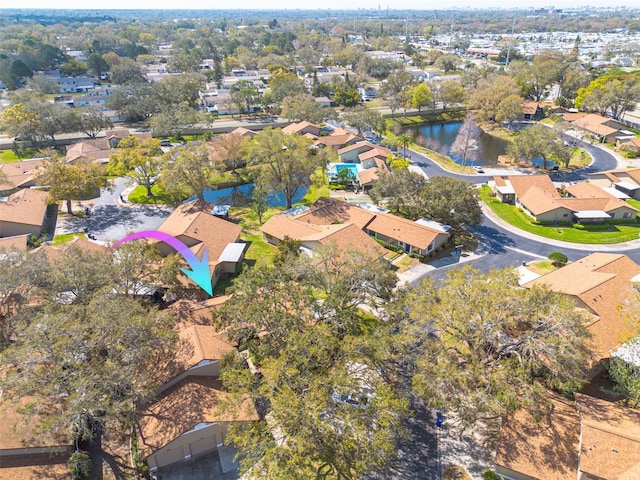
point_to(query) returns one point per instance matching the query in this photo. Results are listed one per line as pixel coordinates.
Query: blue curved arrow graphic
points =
(199, 272)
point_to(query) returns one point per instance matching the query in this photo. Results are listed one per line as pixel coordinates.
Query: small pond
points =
(442, 136)
(240, 196)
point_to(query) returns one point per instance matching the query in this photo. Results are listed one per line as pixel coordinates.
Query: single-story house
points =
(585, 203)
(532, 110)
(19, 175)
(603, 128)
(114, 136)
(301, 128)
(95, 149)
(23, 213)
(188, 419)
(327, 215)
(584, 439)
(548, 449)
(200, 230)
(365, 153)
(599, 283)
(626, 180)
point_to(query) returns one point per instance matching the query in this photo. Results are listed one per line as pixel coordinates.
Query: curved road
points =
(510, 247)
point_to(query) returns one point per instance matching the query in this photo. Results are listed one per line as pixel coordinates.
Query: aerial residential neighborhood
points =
(300, 244)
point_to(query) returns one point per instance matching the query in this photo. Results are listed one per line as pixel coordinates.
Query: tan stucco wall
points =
(189, 444)
(513, 474)
(10, 229)
(556, 215)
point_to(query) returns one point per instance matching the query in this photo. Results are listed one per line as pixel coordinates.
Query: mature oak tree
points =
(484, 346)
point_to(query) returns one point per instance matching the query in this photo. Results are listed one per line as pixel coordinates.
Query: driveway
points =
(111, 220)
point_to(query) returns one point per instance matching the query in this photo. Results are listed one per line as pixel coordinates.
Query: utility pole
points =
(513, 26)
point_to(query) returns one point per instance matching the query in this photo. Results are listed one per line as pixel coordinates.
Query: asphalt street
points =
(507, 246)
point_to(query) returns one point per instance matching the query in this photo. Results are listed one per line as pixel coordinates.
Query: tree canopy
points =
(485, 346)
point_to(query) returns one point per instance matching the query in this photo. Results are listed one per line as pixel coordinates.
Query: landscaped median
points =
(607, 233)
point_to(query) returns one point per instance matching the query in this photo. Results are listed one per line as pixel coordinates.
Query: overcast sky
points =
(324, 4)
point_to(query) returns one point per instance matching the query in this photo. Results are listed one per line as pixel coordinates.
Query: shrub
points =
(80, 465)
(558, 259)
(490, 475)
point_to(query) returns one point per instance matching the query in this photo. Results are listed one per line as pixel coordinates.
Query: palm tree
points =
(404, 139)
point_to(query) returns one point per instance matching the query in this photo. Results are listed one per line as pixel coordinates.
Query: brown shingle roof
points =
(18, 242)
(352, 236)
(18, 430)
(403, 230)
(544, 450)
(202, 228)
(610, 439)
(365, 177)
(19, 174)
(595, 123)
(298, 127)
(601, 282)
(329, 210)
(283, 225)
(522, 183)
(194, 400)
(538, 201)
(26, 207)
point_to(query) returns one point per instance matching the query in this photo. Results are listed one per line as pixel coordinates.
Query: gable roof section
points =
(543, 450)
(602, 282)
(595, 123)
(19, 174)
(299, 127)
(283, 225)
(193, 401)
(350, 235)
(522, 183)
(404, 230)
(26, 207)
(329, 210)
(610, 446)
(538, 201)
(360, 147)
(207, 230)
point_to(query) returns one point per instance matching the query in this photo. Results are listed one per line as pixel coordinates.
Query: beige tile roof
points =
(206, 230)
(94, 149)
(602, 283)
(197, 312)
(335, 140)
(320, 221)
(610, 439)
(19, 174)
(572, 117)
(364, 146)
(545, 450)
(192, 401)
(26, 207)
(529, 107)
(351, 236)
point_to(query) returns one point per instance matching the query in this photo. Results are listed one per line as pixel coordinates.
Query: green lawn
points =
(66, 237)
(9, 156)
(443, 160)
(634, 203)
(596, 234)
(139, 195)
